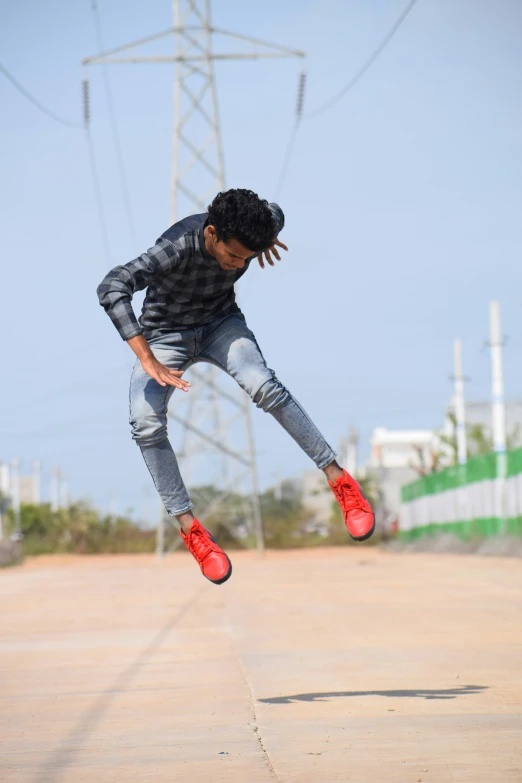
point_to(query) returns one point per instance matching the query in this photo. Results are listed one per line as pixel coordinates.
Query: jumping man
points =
(190, 315)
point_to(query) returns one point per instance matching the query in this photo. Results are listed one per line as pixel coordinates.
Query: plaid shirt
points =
(185, 285)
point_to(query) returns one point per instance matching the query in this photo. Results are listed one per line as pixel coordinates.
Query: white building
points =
(400, 456)
(402, 448)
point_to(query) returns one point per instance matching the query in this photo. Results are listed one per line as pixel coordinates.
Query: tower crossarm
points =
(217, 445)
(272, 50)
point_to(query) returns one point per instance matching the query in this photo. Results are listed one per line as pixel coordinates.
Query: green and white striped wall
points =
(481, 498)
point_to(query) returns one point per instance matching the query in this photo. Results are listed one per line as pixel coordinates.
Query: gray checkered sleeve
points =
(118, 286)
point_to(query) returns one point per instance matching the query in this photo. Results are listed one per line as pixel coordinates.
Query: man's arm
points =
(115, 294)
(163, 375)
(116, 290)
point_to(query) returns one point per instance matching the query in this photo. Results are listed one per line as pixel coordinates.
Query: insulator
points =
(86, 104)
(300, 94)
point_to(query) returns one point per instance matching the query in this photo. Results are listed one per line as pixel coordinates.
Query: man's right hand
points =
(163, 375)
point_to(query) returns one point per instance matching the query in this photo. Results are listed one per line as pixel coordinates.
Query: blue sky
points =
(402, 204)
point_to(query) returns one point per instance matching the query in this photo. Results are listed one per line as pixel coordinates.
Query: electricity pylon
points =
(211, 416)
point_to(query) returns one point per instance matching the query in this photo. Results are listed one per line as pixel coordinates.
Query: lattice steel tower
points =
(216, 427)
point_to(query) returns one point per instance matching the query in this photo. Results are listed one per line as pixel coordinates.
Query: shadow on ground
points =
(417, 693)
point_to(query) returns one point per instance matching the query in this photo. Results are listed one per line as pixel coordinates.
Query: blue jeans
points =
(228, 344)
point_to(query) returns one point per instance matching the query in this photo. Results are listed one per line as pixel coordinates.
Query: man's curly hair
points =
(240, 214)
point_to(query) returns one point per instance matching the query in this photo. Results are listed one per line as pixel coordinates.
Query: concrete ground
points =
(306, 667)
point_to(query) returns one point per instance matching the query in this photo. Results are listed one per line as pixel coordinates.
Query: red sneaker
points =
(358, 514)
(213, 562)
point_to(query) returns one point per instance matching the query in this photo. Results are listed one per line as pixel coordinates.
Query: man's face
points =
(230, 255)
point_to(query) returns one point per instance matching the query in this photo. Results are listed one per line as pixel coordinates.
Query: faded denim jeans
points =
(228, 344)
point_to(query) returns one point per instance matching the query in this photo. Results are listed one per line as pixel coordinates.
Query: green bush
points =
(78, 529)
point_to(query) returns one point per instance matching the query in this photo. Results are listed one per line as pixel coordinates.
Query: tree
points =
(478, 441)
(435, 460)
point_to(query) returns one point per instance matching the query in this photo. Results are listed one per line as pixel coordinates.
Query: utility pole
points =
(213, 419)
(460, 415)
(497, 381)
(463, 499)
(160, 531)
(498, 414)
(36, 481)
(15, 493)
(146, 508)
(351, 451)
(348, 451)
(55, 492)
(4, 494)
(63, 492)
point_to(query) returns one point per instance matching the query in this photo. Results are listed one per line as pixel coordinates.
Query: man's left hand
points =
(268, 253)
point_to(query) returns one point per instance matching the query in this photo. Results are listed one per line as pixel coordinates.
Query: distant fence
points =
(481, 498)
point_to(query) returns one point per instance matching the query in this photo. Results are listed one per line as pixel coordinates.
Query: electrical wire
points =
(36, 102)
(114, 125)
(94, 172)
(286, 160)
(293, 135)
(98, 197)
(366, 66)
(332, 101)
(92, 158)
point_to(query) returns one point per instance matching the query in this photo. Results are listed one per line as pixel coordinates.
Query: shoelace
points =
(199, 544)
(348, 492)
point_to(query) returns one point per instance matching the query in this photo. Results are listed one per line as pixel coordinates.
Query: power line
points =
(94, 172)
(114, 126)
(293, 135)
(369, 62)
(98, 196)
(36, 102)
(92, 158)
(332, 101)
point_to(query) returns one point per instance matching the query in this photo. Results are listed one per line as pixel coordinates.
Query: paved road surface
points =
(307, 667)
